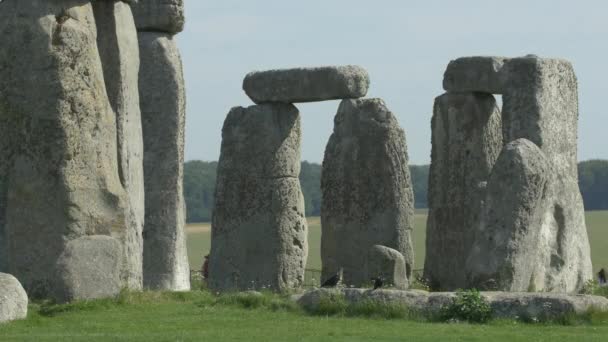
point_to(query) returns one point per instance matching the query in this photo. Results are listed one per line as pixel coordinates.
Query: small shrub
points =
(468, 306)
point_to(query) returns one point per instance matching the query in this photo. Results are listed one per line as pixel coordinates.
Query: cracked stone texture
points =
(165, 16)
(13, 299)
(389, 265)
(466, 140)
(505, 251)
(541, 105)
(259, 230)
(118, 47)
(367, 191)
(163, 112)
(307, 84)
(59, 139)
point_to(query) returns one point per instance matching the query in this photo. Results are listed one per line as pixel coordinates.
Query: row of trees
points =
(199, 186)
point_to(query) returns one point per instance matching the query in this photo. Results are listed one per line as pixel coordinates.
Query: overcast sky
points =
(405, 45)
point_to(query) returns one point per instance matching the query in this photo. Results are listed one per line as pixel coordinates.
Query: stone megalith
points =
(259, 230)
(13, 299)
(505, 251)
(159, 15)
(61, 173)
(307, 84)
(389, 265)
(540, 104)
(367, 191)
(466, 140)
(119, 51)
(162, 101)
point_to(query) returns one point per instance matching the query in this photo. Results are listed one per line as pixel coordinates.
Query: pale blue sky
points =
(405, 46)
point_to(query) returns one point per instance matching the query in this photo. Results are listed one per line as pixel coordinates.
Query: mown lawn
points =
(195, 317)
(597, 226)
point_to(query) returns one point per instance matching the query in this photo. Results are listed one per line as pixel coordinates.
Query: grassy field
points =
(199, 237)
(199, 316)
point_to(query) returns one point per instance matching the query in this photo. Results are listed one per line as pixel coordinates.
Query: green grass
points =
(597, 226)
(200, 316)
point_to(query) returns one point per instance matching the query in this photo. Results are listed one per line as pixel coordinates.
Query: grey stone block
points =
(13, 299)
(389, 265)
(476, 74)
(367, 191)
(307, 84)
(162, 101)
(259, 231)
(165, 16)
(466, 140)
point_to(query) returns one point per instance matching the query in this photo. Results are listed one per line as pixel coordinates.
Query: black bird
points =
(601, 275)
(378, 282)
(333, 281)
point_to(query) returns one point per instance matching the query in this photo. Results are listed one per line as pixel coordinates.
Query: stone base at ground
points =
(506, 305)
(13, 299)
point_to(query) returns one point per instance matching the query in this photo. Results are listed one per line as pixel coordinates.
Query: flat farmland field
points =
(199, 240)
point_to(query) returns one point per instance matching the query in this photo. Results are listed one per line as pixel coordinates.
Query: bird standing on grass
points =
(378, 282)
(332, 281)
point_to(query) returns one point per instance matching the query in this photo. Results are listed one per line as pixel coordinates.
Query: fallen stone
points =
(159, 16)
(466, 140)
(259, 231)
(13, 299)
(476, 74)
(119, 52)
(504, 255)
(162, 101)
(89, 268)
(367, 191)
(541, 105)
(389, 265)
(62, 181)
(307, 84)
(505, 305)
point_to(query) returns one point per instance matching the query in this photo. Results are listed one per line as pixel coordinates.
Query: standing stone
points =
(307, 84)
(466, 137)
(505, 252)
(541, 105)
(389, 265)
(367, 191)
(62, 182)
(259, 231)
(13, 299)
(162, 101)
(118, 47)
(159, 15)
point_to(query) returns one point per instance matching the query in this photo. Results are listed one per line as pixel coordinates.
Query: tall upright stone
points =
(541, 105)
(466, 139)
(61, 184)
(367, 191)
(505, 251)
(119, 51)
(162, 101)
(259, 230)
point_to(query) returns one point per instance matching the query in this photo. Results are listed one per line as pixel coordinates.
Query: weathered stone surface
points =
(62, 181)
(476, 74)
(466, 137)
(13, 299)
(505, 252)
(259, 231)
(159, 15)
(307, 84)
(506, 305)
(119, 51)
(367, 192)
(162, 101)
(89, 268)
(389, 265)
(541, 105)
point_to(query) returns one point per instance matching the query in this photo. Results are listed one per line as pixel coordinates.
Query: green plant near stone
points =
(469, 306)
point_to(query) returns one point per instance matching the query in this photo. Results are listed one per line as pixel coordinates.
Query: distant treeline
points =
(199, 186)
